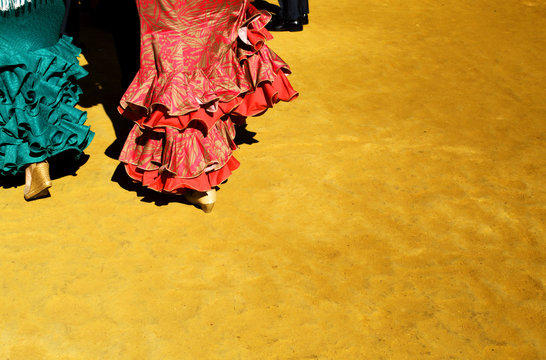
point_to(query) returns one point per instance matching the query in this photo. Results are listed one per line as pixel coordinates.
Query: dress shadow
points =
(109, 35)
(264, 5)
(64, 164)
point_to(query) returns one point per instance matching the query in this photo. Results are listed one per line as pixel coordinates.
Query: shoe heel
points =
(205, 200)
(207, 208)
(42, 194)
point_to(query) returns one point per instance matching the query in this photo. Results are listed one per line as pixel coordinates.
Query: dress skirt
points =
(204, 68)
(38, 91)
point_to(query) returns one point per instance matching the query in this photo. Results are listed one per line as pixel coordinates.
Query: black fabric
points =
(293, 9)
(71, 22)
(121, 16)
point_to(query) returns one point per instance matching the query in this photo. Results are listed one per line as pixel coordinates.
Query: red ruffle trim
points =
(256, 21)
(247, 104)
(166, 182)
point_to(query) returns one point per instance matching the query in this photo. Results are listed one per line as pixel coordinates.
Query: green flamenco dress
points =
(38, 92)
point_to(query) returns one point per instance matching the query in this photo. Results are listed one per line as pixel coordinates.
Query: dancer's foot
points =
(204, 199)
(37, 181)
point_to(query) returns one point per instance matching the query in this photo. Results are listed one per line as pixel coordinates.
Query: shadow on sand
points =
(61, 165)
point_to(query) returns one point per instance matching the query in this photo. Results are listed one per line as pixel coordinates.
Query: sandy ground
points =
(396, 210)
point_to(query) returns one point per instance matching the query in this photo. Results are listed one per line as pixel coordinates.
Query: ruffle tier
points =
(238, 109)
(37, 98)
(169, 160)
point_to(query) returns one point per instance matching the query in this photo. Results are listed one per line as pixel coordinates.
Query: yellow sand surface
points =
(396, 210)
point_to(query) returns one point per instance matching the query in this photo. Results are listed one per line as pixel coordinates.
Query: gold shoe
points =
(40, 181)
(204, 199)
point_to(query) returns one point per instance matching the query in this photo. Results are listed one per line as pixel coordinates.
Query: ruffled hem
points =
(163, 182)
(166, 159)
(253, 103)
(162, 85)
(37, 98)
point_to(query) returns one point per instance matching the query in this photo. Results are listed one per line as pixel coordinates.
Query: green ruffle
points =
(37, 98)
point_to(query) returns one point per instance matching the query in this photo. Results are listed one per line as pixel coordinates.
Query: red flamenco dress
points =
(204, 66)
